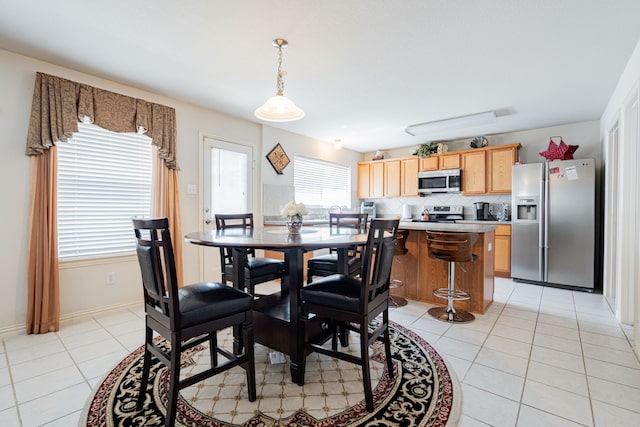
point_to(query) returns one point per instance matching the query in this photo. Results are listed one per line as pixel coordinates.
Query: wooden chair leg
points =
(213, 348)
(302, 348)
(146, 366)
(387, 344)
(174, 382)
(250, 364)
(364, 358)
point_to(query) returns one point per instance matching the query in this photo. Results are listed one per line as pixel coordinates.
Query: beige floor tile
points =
(557, 377)
(557, 343)
(509, 346)
(615, 394)
(558, 358)
(558, 402)
(488, 407)
(609, 415)
(502, 361)
(612, 372)
(54, 406)
(495, 381)
(532, 417)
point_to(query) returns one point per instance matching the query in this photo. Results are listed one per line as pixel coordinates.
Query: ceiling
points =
(362, 70)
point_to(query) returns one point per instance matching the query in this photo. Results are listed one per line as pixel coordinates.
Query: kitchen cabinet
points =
(449, 161)
(488, 170)
(473, 172)
(364, 180)
(502, 266)
(409, 177)
(376, 177)
(499, 163)
(430, 163)
(391, 180)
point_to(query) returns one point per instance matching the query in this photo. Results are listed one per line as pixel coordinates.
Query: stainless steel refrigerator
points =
(553, 223)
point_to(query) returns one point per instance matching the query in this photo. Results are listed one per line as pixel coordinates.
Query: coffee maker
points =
(481, 211)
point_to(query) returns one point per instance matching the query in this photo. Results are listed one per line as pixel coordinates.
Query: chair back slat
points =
(157, 266)
(224, 221)
(377, 259)
(451, 246)
(348, 220)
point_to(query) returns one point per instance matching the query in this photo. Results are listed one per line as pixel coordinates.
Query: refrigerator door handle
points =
(545, 223)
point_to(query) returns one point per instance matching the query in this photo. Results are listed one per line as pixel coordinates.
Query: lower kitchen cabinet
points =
(503, 251)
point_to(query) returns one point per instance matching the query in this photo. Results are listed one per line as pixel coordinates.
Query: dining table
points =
(276, 316)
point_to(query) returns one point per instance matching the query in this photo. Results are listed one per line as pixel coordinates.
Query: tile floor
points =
(539, 357)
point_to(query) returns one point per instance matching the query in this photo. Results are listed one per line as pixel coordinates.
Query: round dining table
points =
(276, 316)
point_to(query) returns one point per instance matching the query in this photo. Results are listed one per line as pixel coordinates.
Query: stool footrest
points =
(454, 294)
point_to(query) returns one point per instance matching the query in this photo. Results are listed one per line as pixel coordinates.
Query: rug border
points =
(452, 421)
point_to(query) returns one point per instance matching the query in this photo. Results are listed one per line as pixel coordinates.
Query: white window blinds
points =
(104, 179)
(319, 183)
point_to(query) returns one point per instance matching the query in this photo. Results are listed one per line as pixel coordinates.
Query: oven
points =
(440, 181)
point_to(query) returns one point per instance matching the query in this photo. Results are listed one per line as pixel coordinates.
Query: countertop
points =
(445, 226)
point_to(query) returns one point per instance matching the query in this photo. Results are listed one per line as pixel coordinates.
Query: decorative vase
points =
(294, 223)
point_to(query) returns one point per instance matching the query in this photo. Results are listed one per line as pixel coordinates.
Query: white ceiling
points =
(361, 69)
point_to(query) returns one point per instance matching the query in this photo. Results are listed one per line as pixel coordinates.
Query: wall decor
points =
(278, 158)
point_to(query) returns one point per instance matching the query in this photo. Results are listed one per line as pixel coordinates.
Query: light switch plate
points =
(192, 189)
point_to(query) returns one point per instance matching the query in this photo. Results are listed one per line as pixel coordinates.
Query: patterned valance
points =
(58, 105)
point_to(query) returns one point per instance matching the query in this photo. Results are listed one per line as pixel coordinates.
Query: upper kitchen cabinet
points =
(392, 178)
(499, 163)
(488, 170)
(409, 177)
(429, 163)
(364, 180)
(449, 161)
(440, 161)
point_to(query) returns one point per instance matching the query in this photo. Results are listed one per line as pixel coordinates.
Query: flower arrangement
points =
(293, 212)
(293, 209)
(424, 150)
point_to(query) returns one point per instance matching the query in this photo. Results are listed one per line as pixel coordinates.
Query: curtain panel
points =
(58, 105)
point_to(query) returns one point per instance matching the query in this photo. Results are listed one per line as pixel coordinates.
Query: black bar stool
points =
(399, 250)
(452, 247)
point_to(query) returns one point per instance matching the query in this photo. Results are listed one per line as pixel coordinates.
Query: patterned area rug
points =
(424, 392)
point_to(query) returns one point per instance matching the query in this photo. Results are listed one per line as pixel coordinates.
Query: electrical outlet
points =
(111, 278)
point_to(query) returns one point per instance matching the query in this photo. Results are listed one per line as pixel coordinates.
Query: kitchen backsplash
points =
(393, 206)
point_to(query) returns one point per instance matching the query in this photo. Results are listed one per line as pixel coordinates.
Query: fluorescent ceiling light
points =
(462, 122)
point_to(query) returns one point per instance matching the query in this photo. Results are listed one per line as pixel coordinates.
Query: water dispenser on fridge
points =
(526, 209)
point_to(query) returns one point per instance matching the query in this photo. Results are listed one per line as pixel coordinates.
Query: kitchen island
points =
(421, 275)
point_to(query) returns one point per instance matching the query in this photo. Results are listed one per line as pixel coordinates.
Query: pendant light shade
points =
(279, 108)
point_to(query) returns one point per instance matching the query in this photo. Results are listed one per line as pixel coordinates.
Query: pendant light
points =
(279, 108)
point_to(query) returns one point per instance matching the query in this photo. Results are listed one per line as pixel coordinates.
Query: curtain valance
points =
(58, 105)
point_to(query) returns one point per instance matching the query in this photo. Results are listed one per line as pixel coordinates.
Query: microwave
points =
(440, 181)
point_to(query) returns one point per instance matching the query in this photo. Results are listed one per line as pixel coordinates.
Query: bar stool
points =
(452, 247)
(399, 250)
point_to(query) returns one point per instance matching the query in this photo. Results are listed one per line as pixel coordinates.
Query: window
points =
(104, 179)
(321, 184)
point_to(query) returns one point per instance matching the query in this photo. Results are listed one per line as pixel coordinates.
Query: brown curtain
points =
(58, 105)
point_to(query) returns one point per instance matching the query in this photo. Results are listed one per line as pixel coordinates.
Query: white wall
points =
(624, 239)
(82, 288)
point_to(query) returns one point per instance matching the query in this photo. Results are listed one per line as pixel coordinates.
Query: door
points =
(526, 229)
(570, 225)
(227, 188)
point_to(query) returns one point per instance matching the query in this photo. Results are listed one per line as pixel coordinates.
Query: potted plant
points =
(424, 150)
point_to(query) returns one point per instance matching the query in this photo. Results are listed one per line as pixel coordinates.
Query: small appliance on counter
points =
(481, 211)
(406, 212)
(368, 208)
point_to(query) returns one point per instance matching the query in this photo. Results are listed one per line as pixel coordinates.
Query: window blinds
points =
(319, 183)
(104, 179)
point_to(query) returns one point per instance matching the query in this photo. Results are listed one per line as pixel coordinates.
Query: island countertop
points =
(447, 226)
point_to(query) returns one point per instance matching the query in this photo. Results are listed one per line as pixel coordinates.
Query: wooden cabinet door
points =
(376, 188)
(364, 180)
(499, 163)
(473, 172)
(409, 177)
(502, 263)
(449, 161)
(392, 178)
(428, 163)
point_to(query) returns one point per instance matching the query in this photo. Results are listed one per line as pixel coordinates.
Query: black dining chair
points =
(258, 269)
(354, 303)
(186, 316)
(326, 265)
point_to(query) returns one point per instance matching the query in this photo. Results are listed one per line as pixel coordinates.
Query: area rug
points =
(423, 392)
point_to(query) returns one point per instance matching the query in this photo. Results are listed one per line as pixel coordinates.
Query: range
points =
(442, 213)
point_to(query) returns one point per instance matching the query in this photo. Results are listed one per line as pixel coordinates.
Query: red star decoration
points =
(559, 152)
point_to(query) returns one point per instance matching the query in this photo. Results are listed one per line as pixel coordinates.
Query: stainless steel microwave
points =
(440, 181)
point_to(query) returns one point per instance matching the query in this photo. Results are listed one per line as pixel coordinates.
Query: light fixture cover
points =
(462, 122)
(279, 108)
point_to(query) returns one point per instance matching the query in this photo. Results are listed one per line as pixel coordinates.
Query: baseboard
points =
(20, 328)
